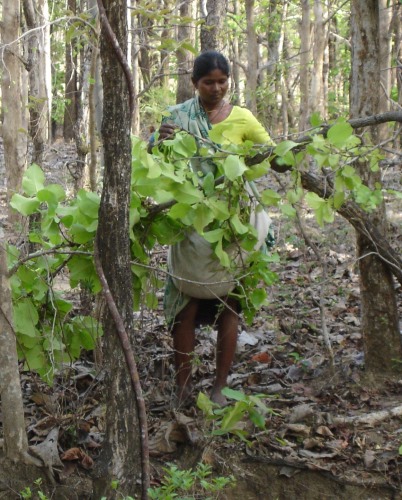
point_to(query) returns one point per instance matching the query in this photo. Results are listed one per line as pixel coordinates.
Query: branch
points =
(360, 221)
(132, 368)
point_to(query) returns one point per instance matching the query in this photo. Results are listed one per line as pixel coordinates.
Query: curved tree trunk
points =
(121, 457)
(382, 340)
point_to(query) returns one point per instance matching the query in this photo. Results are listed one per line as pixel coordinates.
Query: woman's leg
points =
(184, 343)
(228, 323)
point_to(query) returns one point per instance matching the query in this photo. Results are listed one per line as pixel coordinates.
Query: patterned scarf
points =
(191, 116)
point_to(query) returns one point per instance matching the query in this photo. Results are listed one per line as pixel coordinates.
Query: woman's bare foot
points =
(217, 396)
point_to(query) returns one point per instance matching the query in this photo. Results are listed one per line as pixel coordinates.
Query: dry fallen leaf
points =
(77, 454)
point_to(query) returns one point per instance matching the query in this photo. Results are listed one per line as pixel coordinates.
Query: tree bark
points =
(317, 97)
(304, 31)
(252, 58)
(15, 123)
(120, 458)
(382, 340)
(15, 438)
(70, 84)
(39, 91)
(185, 32)
(211, 31)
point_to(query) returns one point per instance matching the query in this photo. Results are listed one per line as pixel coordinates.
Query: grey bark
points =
(12, 409)
(37, 65)
(211, 30)
(15, 122)
(382, 340)
(120, 458)
(185, 33)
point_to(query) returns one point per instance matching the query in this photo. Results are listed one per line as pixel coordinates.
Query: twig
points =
(133, 371)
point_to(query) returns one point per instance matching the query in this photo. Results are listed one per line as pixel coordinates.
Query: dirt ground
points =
(331, 432)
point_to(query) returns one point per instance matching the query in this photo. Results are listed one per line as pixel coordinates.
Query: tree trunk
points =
(185, 32)
(120, 458)
(15, 119)
(317, 98)
(211, 31)
(382, 340)
(15, 438)
(304, 65)
(38, 68)
(252, 58)
(71, 85)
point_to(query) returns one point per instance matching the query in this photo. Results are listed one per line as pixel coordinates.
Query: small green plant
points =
(230, 419)
(189, 484)
(35, 493)
(400, 450)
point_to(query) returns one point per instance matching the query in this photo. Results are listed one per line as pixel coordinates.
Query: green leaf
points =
(205, 404)
(33, 180)
(219, 209)
(208, 184)
(202, 217)
(222, 255)
(284, 147)
(258, 297)
(25, 317)
(315, 120)
(287, 210)
(214, 236)
(314, 201)
(25, 206)
(339, 133)
(186, 193)
(257, 418)
(233, 416)
(233, 167)
(52, 194)
(269, 197)
(237, 225)
(88, 203)
(233, 394)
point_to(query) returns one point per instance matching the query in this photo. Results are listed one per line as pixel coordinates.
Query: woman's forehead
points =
(215, 74)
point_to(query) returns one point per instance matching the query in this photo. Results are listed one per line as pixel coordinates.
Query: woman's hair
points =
(207, 62)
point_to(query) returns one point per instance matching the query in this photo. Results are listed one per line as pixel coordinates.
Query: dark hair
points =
(207, 62)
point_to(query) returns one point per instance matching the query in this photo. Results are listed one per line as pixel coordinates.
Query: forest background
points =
(313, 72)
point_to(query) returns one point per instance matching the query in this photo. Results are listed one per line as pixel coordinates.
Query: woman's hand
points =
(167, 130)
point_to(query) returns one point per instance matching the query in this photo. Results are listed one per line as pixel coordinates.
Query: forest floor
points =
(331, 431)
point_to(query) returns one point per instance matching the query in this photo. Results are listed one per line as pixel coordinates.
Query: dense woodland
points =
(94, 78)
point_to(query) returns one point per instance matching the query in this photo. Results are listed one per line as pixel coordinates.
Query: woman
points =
(208, 110)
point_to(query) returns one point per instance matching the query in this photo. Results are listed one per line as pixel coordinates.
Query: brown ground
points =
(307, 451)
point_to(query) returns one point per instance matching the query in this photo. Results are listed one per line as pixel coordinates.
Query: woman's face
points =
(212, 87)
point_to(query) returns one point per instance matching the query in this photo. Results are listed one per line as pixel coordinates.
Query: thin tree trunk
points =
(36, 16)
(120, 458)
(185, 33)
(71, 85)
(317, 103)
(15, 119)
(304, 65)
(252, 58)
(382, 340)
(15, 438)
